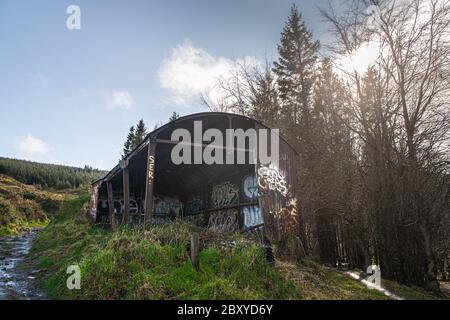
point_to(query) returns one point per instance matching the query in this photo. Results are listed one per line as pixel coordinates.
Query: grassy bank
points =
(133, 264)
(23, 207)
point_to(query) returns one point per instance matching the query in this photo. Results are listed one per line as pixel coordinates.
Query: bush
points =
(7, 212)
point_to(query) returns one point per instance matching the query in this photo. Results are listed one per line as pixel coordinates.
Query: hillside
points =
(48, 175)
(23, 207)
(133, 264)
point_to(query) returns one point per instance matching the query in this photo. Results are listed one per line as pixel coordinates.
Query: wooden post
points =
(126, 195)
(195, 251)
(148, 209)
(112, 216)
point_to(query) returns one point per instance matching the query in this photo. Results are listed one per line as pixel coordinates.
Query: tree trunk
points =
(431, 274)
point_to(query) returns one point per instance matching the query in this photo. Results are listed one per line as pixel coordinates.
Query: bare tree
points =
(250, 90)
(407, 126)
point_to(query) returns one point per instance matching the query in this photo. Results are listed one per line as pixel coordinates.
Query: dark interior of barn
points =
(185, 190)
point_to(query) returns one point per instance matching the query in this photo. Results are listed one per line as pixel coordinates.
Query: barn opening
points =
(147, 188)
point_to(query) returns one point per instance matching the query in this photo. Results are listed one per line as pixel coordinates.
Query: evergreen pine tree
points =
(128, 145)
(295, 70)
(295, 74)
(174, 116)
(140, 133)
(265, 105)
(329, 100)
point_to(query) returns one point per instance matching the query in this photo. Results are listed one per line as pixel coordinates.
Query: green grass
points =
(154, 264)
(317, 282)
(411, 293)
(19, 226)
(24, 207)
(133, 264)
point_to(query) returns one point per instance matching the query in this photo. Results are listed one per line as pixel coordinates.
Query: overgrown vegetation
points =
(154, 264)
(48, 175)
(23, 207)
(411, 293)
(373, 174)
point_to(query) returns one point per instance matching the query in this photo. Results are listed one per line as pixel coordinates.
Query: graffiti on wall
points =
(224, 221)
(119, 205)
(270, 178)
(167, 205)
(159, 206)
(224, 194)
(133, 207)
(252, 216)
(193, 206)
(250, 187)
(94, 200)
(176, 207)
(283, 221)
(151, 169)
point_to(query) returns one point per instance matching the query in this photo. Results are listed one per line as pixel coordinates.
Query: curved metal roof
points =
(167, 126)
(204, 114)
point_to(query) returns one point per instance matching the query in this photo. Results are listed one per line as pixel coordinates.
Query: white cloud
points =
(33, 148)
(120, 100)
(190, 71)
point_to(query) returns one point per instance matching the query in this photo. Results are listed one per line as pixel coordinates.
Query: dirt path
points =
(17, 281)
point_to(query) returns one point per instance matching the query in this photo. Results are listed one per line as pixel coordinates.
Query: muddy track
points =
(17, 277)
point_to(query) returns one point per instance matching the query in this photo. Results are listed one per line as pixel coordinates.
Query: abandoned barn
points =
(147, 187)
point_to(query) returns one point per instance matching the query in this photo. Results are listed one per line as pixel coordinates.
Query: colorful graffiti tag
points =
(167, 205)
(194, 206)
(159, 206)
(175, 206)
(250, 187)
(224, 221)
(270, 178)
(224, 195)
(252, 216)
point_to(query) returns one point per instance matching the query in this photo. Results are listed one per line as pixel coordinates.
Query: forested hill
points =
(48, 175)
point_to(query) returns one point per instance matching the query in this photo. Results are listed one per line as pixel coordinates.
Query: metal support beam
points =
(148, 209)
(112, 216)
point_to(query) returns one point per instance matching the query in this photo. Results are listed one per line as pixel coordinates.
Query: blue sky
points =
(70, 96)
